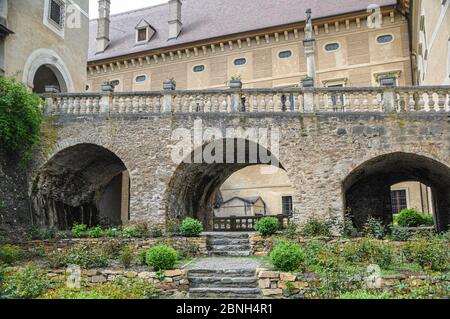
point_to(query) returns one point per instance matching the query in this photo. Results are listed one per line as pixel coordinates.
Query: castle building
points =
(44, 43)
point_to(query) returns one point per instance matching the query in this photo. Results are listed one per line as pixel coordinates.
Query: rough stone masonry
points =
(337, 163)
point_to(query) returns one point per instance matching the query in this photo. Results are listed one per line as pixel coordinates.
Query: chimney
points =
(3, 12)
(104, 8)
(174, 19)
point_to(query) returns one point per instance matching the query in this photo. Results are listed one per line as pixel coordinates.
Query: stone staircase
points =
(223, 284)
(229, 245)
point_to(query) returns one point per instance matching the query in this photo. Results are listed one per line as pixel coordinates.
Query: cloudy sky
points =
(118, 6)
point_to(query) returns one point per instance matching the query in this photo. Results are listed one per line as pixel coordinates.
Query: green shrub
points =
(316, 228)
(113, 248)
(413, 218)
(20, 117)
(156, 232)
(291, 230)
(86, 257)
(126, 257)
(362, 294)
(28, 283)
(267, 226)
(10, 254)
(428, 253)
(138, 231)
(56, 259)
(369, 252)
(113, 233)
(374, 228)
(79, 230)
(350, 230)
(95, 232)
(287, 256)
(188, 250)
(401, 234)
(41, 234)
(161, 257)
(191, 227)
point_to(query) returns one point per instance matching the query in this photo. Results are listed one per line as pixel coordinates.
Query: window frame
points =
(138, 33)
(291, 204)
(199, 65)
(406, 190)
(330, 43)
(286, 58)
(385, 35)
(239, 65)
(138, 76)
(59, 29)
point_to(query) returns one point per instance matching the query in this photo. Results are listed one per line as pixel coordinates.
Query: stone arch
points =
(194, 185)
(82, 183)
(50, 60)
(367, 188)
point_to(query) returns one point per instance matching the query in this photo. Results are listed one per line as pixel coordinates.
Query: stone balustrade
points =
(301, 100)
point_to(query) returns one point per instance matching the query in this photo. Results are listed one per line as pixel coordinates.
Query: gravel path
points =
(221, 263)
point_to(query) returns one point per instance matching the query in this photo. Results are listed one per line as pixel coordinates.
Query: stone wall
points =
(174, 283)
(318, 151)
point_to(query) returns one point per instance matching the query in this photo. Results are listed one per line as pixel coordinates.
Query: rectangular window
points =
(287, 205)
(142, 35)
(56, 12)
(399, 201)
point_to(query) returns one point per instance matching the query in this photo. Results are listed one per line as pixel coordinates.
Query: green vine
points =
(49, 136)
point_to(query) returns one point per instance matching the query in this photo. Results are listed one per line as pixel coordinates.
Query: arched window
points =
(331, 47)
(199, 68)
(240, 61)
(141, 78)
(386, 38)
(285, 54)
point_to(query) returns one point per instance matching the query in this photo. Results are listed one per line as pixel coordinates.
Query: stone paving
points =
(222, 263)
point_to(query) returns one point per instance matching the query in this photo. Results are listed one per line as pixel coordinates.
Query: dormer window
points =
(144, 32)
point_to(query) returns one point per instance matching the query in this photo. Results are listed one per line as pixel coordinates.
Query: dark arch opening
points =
(195, 186)
(85, 184)
(48, 76)
(368, 188)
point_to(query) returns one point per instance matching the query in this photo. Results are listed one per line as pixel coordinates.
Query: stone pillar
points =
(103, 22)
(236, 102)
(49, 90)
(388, 94)
(168, 87)
(106, 101)
(175, 24)
(125, 210)
(309, 82)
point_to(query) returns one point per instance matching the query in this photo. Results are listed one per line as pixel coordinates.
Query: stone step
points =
(224, 273)
(230, 253)
(229, 247)
(223, 282)
(228, 235)
(228, 241)
(225, 293)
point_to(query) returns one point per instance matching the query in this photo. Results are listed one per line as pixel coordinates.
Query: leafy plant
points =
(374, 228)
(173, 227)
(126, 257)
(79, 230)
(138, 231)
(369, 251)
(113, 248)
(188, 250)
(86, 257)
(350, 230)
(42, 234)
(10, 254)
(362, 294)
(191, 227)
(20, 117)
(401, 234)
(56, 259)
(291, 230)
(287, 256)
(413, 218)
(156, 232)
(428, 253)
(316, 228)
(267, 226)
(161, 257)
(28, 283)
(95, 232)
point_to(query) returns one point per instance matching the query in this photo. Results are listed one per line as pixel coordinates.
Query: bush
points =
(56, 259)
(138, 231)
(126, 257)
(374, 228)
(401, 234)
(362, 294)
(291, 230)
(369, 252)
(316, 228)
(113, 233)
(41, 234)
(28, 283)
(156, 232)
(173, 227)
(95, 232)
(428, 253)
(161, 257)
(20, 117)
(267, 226)
(287, 256)
(191, 227)
(413, 218)
(9, 254)
(79, 230)
(86, 257)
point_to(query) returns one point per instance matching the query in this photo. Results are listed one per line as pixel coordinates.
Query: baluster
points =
(215, 104)
(412, 102)
(321, 101)
(339, 102)
(271, 102)
(87, 102)
(115, 104)
(375, 102)
(224, 107)
(247, 103)
(288, 103)
(157, 104)
(296, 102)
(357, 102)
(441, 101)
(192, 105)
(61, 107)
(402, 102)
(431, 103)
(76, 105)
(68, 105)
(422, 102)
(178, 107)
(83, 106)
(185, 104)
(127, 104)
(448, 102)
(209, 103)
(330, 107)
(365, 102)
(255, 102)
(263, 103)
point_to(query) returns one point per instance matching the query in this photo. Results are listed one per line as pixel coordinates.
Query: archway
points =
(86, 184)
(47, 64)
(45, 76)
(368, 189)
(194, 187)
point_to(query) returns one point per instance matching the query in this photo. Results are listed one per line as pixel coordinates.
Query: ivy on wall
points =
(20, 117)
